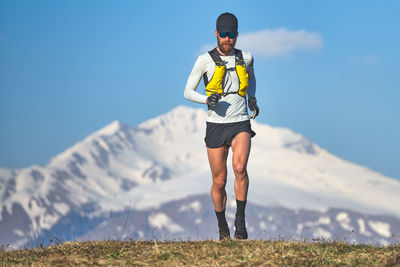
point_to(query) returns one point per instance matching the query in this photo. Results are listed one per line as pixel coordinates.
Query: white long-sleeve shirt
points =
(231, 107)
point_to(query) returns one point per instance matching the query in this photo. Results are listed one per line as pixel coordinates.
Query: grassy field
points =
(204, 253)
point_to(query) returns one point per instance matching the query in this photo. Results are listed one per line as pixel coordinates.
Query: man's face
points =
(226, 44)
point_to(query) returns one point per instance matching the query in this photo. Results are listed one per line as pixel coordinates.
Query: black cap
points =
(227, 22)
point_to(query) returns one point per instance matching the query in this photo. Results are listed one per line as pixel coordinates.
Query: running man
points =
(229, 78)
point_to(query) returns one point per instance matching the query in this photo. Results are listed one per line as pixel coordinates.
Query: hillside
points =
(205, 253)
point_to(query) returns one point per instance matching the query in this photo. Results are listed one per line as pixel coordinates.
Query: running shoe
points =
(224, 233)
(240, 228)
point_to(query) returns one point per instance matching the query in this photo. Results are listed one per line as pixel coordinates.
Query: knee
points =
(239, 169)
(219, 184)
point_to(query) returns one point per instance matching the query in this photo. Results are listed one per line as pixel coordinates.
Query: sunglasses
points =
(229, 34)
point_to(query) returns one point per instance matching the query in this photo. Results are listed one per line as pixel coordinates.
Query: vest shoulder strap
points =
(216, 57)
(239, 57)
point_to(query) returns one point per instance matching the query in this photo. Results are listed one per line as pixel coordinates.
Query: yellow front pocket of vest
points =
(215, 85)
(243, 79)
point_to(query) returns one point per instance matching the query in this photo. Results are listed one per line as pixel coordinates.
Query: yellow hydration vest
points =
(215, 85)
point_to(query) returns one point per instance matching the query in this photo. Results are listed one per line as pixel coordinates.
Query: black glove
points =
(212, 101)
(253, 107)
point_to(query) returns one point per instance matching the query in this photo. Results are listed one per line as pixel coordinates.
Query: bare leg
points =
(217, 159)
(241, 150)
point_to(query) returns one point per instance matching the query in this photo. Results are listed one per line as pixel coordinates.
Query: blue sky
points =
(326, 69)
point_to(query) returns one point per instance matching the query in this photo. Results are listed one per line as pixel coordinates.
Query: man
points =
(229, 77)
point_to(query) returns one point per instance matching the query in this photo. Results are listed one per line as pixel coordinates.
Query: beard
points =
(226, 47)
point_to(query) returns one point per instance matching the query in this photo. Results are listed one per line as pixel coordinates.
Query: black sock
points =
(221, 218)
(240, 205)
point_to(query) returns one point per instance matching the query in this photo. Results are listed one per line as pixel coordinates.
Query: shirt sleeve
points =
(251, 90)
(195, 76)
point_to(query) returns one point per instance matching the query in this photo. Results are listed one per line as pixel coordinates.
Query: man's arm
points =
(251, 90)
(193, 81)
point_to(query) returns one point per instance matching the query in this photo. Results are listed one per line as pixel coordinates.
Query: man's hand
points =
(253, 107)
(212, 101)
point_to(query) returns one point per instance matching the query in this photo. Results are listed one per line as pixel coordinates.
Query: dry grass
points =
(204, 253)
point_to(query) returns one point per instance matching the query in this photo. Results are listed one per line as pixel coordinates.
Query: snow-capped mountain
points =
(163, 161)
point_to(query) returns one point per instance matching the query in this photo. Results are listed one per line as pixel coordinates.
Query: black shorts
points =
(222, 134)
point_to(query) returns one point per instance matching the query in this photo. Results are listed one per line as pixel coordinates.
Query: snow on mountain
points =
(164, 159)
(298, 174)
(5, 176)
(4, 173)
